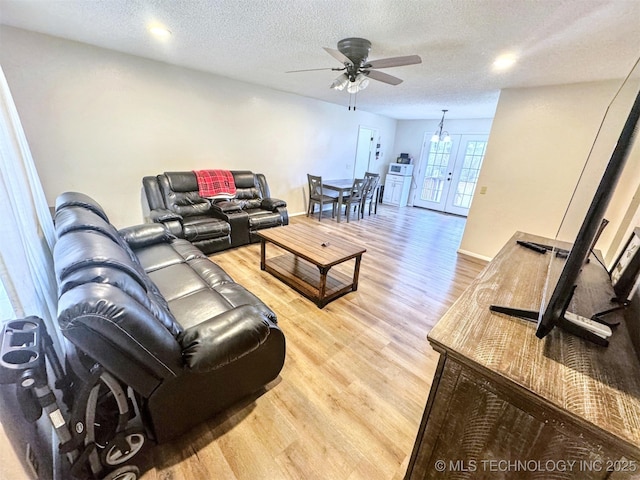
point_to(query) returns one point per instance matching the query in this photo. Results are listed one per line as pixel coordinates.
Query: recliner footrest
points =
(204, 230)
(264, 220)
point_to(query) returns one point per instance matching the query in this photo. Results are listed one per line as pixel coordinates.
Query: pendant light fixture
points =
(440, 135)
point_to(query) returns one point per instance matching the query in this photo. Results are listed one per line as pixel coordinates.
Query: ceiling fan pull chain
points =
(353, 96)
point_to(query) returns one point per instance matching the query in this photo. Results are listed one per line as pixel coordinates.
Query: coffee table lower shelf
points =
(306, 278)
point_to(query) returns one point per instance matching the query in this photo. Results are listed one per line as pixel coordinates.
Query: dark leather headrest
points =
(152, 192)
(75, 199)
(182, 181)
(88, 248)
(243, 178)
(72, 218)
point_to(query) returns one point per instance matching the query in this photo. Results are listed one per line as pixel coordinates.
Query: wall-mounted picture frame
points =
(625, 272)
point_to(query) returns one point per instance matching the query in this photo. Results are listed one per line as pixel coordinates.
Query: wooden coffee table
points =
(309, 253)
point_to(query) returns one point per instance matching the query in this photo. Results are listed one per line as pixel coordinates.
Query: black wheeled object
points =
(99, 431)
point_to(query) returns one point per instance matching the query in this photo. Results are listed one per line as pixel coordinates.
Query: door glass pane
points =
(436, 171)
(474, 153)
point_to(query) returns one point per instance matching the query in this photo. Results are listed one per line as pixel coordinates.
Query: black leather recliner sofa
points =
(213, 225)
(162, 318)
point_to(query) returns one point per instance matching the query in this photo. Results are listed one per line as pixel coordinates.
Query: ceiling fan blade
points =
(394, 62)
(383, 77)
(338, 55)
(314, 70)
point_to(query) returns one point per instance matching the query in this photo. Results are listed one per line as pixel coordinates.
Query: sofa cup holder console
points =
(21, 349)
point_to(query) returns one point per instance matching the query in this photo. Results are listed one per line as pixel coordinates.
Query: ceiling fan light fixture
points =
(360, 83)
(340, 82)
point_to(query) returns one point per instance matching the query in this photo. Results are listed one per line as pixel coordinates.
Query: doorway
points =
(364, 151)
(449, 173)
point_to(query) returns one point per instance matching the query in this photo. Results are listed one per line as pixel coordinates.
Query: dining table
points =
(342, 186)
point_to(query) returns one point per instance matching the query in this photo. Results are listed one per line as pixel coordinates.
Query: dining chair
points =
(370, 192)
(316, 196)
(354, 199)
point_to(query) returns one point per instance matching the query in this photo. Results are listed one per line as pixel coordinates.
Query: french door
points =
(449, 173)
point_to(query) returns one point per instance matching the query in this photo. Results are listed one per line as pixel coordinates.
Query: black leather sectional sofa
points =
(162, 318)
(213, 225)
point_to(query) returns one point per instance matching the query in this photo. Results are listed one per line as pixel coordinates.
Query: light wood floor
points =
(349, 400)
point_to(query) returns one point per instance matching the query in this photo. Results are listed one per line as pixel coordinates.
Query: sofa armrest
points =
(220, 340)
(272, 203)
(171, 220)
(227, 206)
(161, 215)
(146, 234)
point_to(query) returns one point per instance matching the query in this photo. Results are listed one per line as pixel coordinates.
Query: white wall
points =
(539, 142)
(97, 121)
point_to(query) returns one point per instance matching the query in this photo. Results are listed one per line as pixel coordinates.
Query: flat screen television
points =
(554, 312)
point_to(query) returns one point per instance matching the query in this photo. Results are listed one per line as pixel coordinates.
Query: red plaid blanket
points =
(215, 183)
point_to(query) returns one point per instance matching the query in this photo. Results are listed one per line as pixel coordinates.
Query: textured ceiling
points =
(257, 41)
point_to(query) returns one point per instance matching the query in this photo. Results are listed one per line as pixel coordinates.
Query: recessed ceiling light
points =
(505, 61)
(160, 31)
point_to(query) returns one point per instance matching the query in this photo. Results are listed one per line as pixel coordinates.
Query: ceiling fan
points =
(357, 70)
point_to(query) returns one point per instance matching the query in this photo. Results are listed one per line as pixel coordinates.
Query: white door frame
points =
(450, 177)
(364, 151)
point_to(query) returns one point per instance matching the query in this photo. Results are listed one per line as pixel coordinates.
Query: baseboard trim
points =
(474, 255)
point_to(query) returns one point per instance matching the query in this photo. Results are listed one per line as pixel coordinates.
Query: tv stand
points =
(502, 399)
(599, 317)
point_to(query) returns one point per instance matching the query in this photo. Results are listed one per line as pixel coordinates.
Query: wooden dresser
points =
(505, 404)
